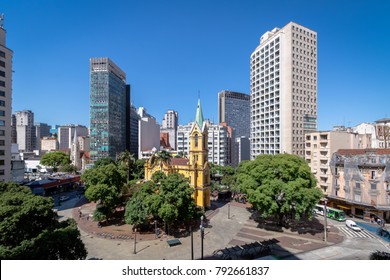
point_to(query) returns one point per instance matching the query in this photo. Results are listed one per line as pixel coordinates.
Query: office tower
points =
(283, 83)
(128, 119)
(66, 135)
(134, 119)
(234, 109)
(107, 109)
(25, 130)
(169, 125)
(41, 130)
(148, 133)
(5, 105)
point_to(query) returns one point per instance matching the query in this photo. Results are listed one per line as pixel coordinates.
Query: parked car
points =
(352, 225)
(64, 198)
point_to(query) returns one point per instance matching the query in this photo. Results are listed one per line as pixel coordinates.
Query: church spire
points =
(199, 115)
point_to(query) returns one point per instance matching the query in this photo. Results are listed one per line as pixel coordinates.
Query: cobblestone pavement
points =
(229, 225)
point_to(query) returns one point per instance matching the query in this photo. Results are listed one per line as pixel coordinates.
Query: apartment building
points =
(283, 90)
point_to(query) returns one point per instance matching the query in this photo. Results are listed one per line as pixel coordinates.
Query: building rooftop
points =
(354, 152)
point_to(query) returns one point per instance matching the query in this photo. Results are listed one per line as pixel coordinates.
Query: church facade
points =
(195, 167)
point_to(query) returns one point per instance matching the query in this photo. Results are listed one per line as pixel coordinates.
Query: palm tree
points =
(128, 160)
(164, 157)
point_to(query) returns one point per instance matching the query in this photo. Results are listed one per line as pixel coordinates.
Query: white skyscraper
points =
(169, 125)
(283, 84)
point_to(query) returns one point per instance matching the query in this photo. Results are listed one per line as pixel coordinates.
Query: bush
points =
(380, 255)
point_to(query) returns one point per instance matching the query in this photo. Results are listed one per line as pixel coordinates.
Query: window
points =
(2, 132)
(1, 161)
(2, 63)
(372, 174)
(373, 186)
(2, 93)
(2, 103)
(2, 113)
(2, 73)
(2, 142)
(2, 123)
(2, 83)
(2, 152)
(2, 54)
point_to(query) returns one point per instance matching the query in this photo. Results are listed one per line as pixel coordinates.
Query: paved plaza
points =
(228, 225)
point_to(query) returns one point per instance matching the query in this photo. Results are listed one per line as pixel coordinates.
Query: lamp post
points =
(135, 242)
(201, 237)
(155, 228)
(192, 243)
(325, 221)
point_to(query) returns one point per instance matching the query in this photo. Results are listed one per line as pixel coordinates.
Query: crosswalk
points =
(353, 234)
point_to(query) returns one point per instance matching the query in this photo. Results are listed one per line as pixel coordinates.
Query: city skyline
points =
(173, 51)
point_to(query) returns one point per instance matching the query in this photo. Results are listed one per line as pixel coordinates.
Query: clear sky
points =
(171, 50)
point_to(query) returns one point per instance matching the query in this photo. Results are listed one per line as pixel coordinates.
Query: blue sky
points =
(171, 50)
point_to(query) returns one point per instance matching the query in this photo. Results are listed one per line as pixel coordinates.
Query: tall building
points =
(41, 130)
(283, 90)
(66, 135)
(134, 119)
(148, 133)
(169, 125)
(234, 109)
(25, 130)
(107, 108)
(5, 105)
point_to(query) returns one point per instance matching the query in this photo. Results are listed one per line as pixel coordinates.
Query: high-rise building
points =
(134, 119)
(107, 109)
(169, 125)
(234, 109)
(283, 90)
(25, 130)
(41, 130)
(66, 135)
(148, 133)
(5, 105)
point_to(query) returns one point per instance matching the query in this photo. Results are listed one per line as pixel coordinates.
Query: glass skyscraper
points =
(107, 108)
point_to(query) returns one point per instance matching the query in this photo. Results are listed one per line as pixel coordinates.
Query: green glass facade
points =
(107, 109)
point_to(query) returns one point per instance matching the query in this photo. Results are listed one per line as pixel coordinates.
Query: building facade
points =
(169, 125)
(5, 105)
(107, 109)
(25, 130)
(49, 144)
(283, 90)
(234, 109)
(134, 123)
(148, 132)
(66, 134)
(360, 182)
(41, 130)
(319, 148)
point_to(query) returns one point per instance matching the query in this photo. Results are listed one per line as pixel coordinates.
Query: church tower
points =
(199, 166)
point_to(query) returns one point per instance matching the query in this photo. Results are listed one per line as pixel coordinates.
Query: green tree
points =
(163, 157)
(104, 184)
(280, 185)
(127, 160)
(55, 160)
(104, 161)
(68, 168)
(29, 228)
(139, 169)
(137, 211)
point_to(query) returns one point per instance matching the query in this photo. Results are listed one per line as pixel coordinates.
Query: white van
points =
(352, 225)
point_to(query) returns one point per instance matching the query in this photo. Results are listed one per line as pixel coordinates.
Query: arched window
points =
(196, 140)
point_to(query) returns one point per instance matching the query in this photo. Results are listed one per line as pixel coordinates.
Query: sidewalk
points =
(229, 225)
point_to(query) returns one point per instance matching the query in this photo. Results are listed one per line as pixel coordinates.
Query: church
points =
(195, 167)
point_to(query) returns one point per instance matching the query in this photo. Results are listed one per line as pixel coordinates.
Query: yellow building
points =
(196, 168)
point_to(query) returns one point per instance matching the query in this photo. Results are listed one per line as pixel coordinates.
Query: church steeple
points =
(199, 115)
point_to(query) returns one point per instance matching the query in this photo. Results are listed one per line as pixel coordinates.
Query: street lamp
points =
(155, 228)
(192, 243)
(135, 242)
(201, 236)
(325, 220)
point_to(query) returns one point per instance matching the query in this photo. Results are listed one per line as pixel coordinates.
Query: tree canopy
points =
(166, 198)
(280, 185)
(29, 228)
(55, 160)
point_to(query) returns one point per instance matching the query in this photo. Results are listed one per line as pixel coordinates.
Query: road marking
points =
(351, 233)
